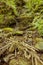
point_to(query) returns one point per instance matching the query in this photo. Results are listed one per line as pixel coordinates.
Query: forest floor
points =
(21, 32)
(19, 48)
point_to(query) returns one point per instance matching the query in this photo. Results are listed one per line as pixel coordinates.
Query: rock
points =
(39, 46)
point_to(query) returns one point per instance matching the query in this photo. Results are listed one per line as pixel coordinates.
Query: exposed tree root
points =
(29, 52)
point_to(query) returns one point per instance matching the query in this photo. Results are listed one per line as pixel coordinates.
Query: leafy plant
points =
(38, 24)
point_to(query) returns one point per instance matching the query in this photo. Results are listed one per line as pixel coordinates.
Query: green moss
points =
(28, 11)
(11, 3)
(8, 29)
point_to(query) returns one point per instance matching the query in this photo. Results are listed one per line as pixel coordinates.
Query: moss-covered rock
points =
(39, 44)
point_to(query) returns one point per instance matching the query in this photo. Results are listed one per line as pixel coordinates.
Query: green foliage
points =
(38, 24)
(6, 16)
(27, 10)
(33, 3)
(11, 3)
(17, 36)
